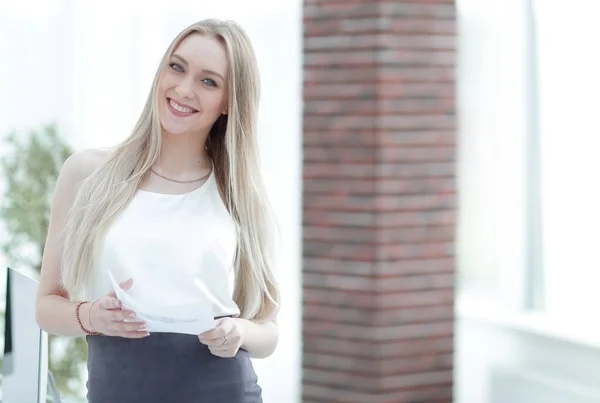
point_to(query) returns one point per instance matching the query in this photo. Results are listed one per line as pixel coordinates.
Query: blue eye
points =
(176, 67)
(210, 82)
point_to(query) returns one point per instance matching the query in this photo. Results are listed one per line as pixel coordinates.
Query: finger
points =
(222, 327)
(222, 348)
(233, 338)
(207, 342)
(212, 342)
(127, 284)
(219, 322)
(133, 334)
(212, 335)
(220, 342)
(123, 327)
(224, 353)
(110, 303)
(216, 333)
(220, 334)
(121, 315)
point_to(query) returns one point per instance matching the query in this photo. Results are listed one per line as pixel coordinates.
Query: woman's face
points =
(192, 91)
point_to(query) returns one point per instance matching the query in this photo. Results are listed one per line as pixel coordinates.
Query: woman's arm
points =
(231, 334)
(54, 312)
(259, 338)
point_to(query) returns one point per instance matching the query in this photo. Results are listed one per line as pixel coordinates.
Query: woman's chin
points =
(175, 130)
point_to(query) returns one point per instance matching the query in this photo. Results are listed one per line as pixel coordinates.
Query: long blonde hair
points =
(232, 146)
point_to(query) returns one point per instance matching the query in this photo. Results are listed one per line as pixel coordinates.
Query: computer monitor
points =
(25, 369)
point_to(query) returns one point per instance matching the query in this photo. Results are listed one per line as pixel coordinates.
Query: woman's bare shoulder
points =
(82, 163)
(75, 169)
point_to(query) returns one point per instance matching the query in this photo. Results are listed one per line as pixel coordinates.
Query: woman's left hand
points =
(225, 339)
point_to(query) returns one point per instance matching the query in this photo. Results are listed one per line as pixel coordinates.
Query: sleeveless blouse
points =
(174, 247)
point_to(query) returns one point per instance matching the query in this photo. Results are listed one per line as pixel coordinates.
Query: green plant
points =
(30, 165)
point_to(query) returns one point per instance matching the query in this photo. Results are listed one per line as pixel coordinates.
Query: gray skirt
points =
(165, 368)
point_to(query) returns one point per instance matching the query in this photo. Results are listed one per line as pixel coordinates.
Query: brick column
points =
(379, 201)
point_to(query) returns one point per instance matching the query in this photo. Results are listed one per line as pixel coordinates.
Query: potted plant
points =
(29, 168)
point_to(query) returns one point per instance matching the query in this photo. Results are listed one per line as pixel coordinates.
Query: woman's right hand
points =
(107, 317)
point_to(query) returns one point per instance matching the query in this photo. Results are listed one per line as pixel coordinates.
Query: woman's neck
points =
(183, 157)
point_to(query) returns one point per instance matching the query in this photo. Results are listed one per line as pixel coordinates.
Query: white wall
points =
(89, 66)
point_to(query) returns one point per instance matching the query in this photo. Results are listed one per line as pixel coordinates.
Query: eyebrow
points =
(182, 60)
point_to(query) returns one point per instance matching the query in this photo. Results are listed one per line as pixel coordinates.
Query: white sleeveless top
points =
(175, 247)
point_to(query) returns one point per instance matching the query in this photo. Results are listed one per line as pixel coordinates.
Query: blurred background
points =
(431, 164)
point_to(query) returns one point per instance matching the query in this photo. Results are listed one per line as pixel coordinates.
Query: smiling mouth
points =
(180, 110)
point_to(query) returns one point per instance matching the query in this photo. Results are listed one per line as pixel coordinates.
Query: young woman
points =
(175, 212)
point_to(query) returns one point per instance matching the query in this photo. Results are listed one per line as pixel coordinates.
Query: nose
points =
(184, 89)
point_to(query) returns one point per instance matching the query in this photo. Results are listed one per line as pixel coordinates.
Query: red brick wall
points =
(379, 200)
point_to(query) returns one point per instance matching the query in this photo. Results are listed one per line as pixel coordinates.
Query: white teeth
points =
(180, 108)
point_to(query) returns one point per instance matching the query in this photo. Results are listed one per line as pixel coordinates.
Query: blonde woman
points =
(176, 211)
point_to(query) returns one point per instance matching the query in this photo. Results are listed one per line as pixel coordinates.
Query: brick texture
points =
(379, 201)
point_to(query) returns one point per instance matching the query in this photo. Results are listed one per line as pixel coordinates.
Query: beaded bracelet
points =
(79, 320)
